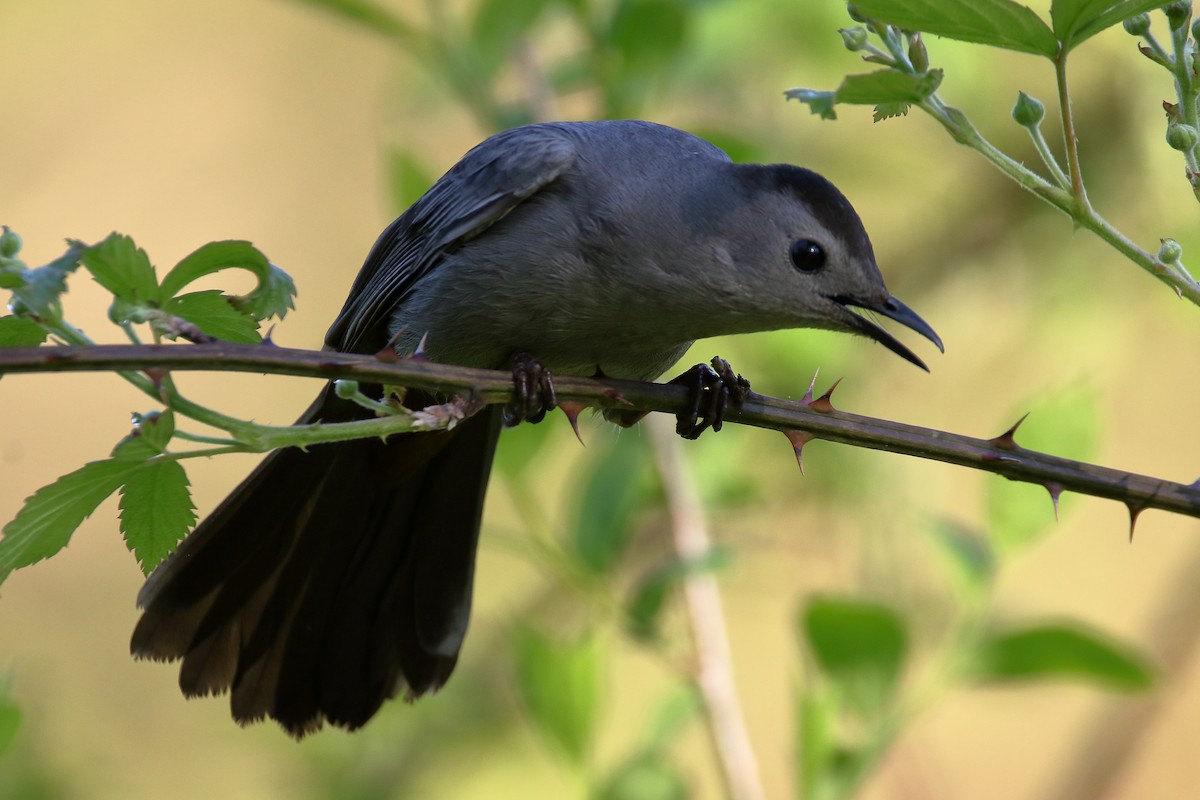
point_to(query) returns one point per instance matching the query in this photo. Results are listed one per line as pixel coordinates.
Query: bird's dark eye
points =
(807, 255)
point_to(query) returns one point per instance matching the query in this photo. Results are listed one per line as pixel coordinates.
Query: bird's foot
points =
(533, 389)
(712, 391)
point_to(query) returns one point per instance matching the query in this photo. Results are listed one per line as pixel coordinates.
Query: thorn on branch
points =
(1135, 511)
(824, 404)
(808, 393)
(1055, 489)
(798, 440)
(1006, 440)
(571, 410)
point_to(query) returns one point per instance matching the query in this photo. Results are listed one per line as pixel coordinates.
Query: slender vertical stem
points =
(1071, 140)
(714, 671)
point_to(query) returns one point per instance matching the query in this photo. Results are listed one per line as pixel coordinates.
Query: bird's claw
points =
(533, 389)
(712, 391)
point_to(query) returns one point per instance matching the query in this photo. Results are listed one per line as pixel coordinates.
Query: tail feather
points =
(329, 580)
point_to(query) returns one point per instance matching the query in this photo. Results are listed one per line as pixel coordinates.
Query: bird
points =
(335, 578)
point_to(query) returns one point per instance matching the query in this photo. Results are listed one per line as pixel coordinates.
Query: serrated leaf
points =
(498, 25)
(889, 110)
(212, 312)
(820, 103)
(1077, 20)
(859, 646)
(610, 497)
(559, 683)
(646, 776)
(272, 297)
(1000, 23)
(888, 86)
(45, 523)
(156, 428)
(41, 287)
(409, 180)
(156, 511)
(123, 268)
(1067, 651)
(20, 332)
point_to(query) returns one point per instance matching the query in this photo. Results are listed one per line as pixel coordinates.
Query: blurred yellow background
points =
(180, 123)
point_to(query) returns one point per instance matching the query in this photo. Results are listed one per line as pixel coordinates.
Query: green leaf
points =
(648, 33)
(45, 523)
(889, 90)
(646, 776)
(816, 718)
(611, 496)
(520, 446)
(860, 646)
(272, 297)
(650, 593)
(40, 288)
(156, 511)
(680, 707)
(372, 16)
(1000, 23)
(1068, 651)
(1077, 20)
(10, 715)
(1065, 423)
(888, 86)
(123, 268)
(820, 103)
(157, 428)
(409, 180)
(559, 683)
(20, 332)
(498, 25)
(968, 554)
(212, 312)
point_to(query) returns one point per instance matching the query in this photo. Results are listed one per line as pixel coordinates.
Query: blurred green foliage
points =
(864, 653)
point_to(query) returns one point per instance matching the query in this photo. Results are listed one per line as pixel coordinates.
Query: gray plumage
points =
(331, 580)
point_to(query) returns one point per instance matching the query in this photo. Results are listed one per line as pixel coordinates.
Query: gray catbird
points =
(330, 580)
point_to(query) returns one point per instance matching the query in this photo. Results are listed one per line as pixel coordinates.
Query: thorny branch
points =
(801, 420)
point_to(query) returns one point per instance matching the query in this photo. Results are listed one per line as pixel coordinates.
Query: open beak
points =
(892, 309)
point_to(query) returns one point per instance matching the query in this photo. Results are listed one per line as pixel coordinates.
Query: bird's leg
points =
(533, 387)
(712, 390)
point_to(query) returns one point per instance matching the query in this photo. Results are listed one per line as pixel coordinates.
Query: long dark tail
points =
(329, 580)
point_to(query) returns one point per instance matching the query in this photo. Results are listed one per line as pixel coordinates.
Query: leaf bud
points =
(345, 389)
(854, 38)
(1028, 111)
(854, 13)
(10, 243)
(1181, 137)
(1178, 14)
(1169, 251)
(917, 54)
(1137, 25)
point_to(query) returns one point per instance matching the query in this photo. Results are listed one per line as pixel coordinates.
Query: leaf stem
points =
(1070, 138)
